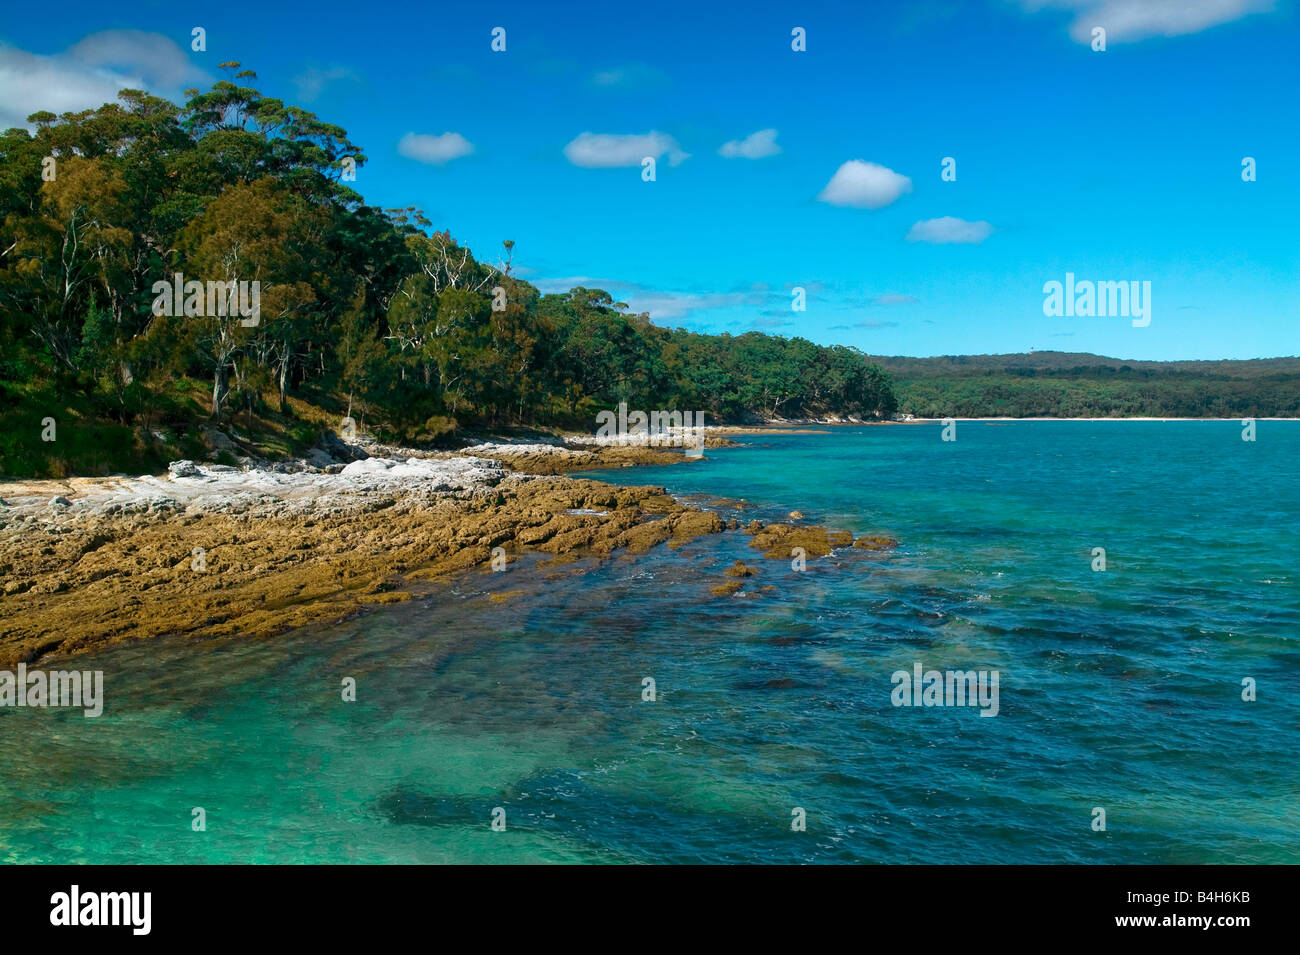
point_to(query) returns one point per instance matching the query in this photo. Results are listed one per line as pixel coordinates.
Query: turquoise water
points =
(1119, 689)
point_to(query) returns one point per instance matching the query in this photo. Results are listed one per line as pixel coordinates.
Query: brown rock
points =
(875, 543)
(778, 541)
(740, 569)
(127, 575)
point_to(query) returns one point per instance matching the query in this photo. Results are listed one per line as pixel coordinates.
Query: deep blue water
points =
(1119, 690)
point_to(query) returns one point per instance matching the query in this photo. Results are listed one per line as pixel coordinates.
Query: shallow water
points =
(1119, 689)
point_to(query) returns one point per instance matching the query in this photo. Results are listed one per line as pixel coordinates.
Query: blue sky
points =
(1122, 165)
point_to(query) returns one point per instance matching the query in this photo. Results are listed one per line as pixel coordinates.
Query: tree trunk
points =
(284, 384)
(218, 389)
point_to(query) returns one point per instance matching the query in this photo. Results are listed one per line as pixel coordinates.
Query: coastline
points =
(935, 420)
(218, 551)
(780, 425)
(254, 551)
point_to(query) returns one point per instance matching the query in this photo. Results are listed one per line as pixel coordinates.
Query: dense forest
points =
(1072, 385)
(361, 313)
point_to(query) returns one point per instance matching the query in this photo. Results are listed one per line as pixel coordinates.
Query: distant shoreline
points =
(792, 425)
(930, 420)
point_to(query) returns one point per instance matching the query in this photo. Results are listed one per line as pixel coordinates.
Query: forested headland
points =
(381, 317)
(1080, 385)
(364, 313)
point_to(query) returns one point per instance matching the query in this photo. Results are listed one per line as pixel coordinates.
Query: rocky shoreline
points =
(222, 551)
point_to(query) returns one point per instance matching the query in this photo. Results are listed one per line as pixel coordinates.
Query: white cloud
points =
(949, 229)
(567, 282)
(606, 151)
(630, 75)
(434, 150)
(152, 56)
(1130, 20)
(311, 81)
(754, 146)
(864, 185)
(890, 298)
(663, 305)
(91, 72)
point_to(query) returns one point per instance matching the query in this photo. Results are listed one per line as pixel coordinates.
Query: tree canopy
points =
(364, 312)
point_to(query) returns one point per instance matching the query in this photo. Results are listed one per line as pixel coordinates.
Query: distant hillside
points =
(1075, 384)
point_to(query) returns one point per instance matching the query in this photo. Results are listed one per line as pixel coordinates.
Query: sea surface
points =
(1120, 690)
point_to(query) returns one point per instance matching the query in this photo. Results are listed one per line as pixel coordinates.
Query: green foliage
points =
(369, 314)
(364, 313)
(1065, 385)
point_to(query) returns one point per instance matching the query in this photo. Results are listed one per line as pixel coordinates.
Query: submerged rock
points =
(778, 541)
